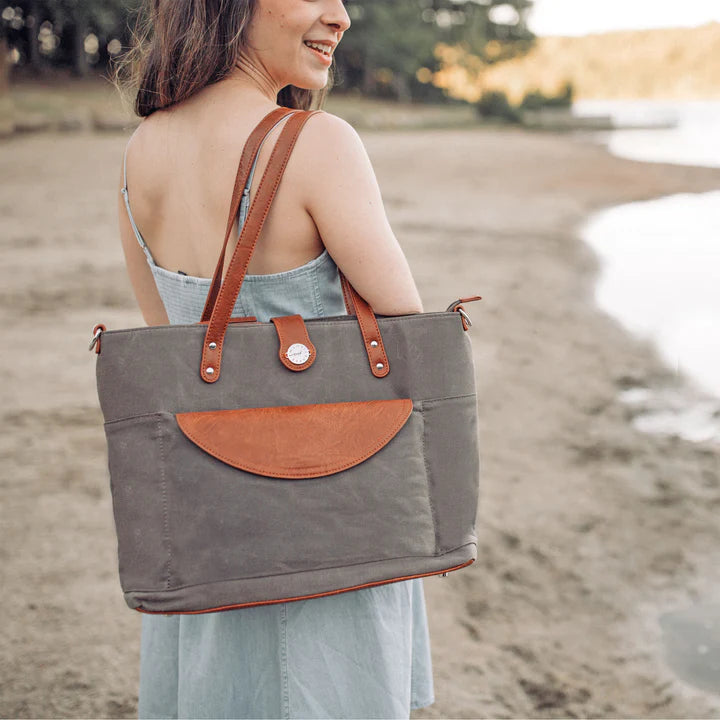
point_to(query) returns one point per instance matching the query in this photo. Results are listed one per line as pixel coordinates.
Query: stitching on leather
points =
(252, 468)
(285, 158)
(347, 295)
(260, 134)
(163, 489)
(368, 349)
(254, 137)
(395, 428)
(428, 479)
(217, 353)
(271, 195)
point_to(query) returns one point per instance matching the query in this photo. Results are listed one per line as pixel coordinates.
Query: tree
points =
(71, 22)
(390, 41)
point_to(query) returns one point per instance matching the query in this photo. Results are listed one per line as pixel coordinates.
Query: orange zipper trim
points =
(302, 597)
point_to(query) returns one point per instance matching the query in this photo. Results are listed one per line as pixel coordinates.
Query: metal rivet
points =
(373, 343)
(212, 345)
(298, 353)
(209, 371)
(379, 366)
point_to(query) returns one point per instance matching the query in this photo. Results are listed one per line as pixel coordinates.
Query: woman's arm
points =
(343, 198)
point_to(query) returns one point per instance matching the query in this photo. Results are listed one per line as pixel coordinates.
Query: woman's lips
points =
(326, 59)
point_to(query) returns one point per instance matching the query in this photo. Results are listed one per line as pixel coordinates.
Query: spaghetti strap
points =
(244, 202)
(124, 192)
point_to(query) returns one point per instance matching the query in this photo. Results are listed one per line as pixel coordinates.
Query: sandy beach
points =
(588, 529)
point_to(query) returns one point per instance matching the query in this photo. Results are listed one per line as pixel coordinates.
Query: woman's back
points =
(312, 286)
(182, 163)
(181, 168)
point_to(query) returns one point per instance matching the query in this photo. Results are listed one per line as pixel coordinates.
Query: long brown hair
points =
(180, 46)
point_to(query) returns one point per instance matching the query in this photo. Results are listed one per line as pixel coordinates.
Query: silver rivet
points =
(297, 353)
(212, 345)
(209, 371)
(373, 343)
(379, 366)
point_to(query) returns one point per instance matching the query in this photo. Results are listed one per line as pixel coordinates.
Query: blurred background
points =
(560, 158)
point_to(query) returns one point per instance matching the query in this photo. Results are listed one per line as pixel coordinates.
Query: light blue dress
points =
(358, 654)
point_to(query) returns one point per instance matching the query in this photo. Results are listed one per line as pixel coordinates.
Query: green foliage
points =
(536, 99)
(494, 104)
(388, 43)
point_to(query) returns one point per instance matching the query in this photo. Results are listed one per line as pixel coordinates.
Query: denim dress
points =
(359, 654)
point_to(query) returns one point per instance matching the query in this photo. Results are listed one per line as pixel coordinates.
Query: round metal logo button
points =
(297, 353)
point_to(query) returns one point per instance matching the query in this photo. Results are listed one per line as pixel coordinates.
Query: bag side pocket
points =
(139, 488)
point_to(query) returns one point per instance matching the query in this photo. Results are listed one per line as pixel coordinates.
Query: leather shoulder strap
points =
(252, 146)
(259, 207)
(230, 289)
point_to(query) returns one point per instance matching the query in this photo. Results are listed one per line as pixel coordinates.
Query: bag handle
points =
(230, 287)
(250, 152)
(252, 146)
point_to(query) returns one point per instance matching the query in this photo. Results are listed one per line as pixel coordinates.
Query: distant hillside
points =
(676, 63)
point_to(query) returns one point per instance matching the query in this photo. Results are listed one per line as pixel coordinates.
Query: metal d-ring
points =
(94, 340)
(465, 315)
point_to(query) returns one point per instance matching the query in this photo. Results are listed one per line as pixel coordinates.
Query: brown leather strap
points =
(369, 329)
(249, 152)
(230, 288)
(259, 208)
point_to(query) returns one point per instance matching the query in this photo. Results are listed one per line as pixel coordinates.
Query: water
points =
(660, 277)
(691, 637)
(695, 140)
(660, 274)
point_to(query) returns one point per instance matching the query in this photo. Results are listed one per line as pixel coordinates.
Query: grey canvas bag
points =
(262, 462)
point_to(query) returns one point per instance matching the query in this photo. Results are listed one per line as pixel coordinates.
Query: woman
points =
(206, 73)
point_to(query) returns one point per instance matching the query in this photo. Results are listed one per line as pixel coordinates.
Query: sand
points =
(588, 529)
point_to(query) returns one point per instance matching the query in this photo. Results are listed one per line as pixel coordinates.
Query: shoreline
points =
(588, 529)
(505, 675)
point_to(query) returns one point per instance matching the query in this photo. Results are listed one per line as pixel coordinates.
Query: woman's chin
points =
(311, 82)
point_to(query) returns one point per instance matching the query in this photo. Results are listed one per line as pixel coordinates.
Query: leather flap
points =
(297, 441)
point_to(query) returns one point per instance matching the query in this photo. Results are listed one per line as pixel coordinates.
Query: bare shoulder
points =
(328, 139)
(337, 127)
(341, 194)
(143, 139)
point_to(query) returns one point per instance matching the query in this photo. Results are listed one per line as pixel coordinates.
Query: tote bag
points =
(261, 462)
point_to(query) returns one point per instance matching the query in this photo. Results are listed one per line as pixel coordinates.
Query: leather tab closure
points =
(296, 351)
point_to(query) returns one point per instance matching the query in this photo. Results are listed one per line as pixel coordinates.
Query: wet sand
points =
(588, 530)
